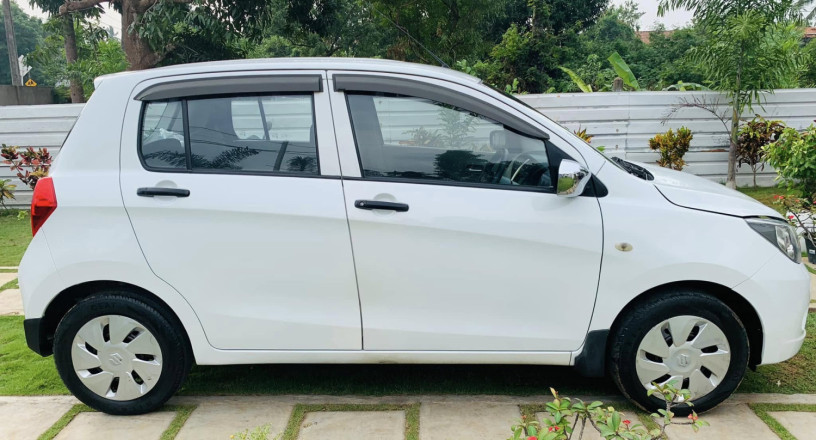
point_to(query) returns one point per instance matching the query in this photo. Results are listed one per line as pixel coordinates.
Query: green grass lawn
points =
(14, 237)
(25, 373)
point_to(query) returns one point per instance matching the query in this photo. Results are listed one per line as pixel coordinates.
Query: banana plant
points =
(577, 80)
(623, 71)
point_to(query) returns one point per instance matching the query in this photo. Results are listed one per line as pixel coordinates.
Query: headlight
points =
(780, 234)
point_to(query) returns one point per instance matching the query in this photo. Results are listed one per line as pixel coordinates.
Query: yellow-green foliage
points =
(672, 147)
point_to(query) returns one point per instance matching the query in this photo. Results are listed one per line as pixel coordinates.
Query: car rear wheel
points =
(120, 355)
(686, 338)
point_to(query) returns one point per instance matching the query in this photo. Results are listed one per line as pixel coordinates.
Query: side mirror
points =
(572, 178)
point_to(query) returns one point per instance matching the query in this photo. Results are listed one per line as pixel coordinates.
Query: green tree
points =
(97, 54)
(750, 47)
(532, 50)
(152, 29)
(29, 33)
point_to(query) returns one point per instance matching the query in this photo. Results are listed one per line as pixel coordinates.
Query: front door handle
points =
(165, 192)
(377, 204)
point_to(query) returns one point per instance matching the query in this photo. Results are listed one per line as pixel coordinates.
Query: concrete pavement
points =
(440, 418)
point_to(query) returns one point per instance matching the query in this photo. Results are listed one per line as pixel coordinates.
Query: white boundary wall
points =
(622, 122)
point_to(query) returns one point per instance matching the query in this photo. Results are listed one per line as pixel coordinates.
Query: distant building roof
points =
(646, 35)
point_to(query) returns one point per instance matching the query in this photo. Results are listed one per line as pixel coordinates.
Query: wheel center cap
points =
(683, 360)
(115, 359)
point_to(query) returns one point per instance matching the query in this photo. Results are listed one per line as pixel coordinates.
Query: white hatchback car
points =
(369, 211)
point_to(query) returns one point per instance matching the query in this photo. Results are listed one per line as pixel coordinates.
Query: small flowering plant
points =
(801, 213)
(567, 419)
(29, 164)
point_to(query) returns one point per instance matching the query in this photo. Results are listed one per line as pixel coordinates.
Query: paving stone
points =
(801, 424)
(11, 302)
(222, 417)
(353, 425)
(102, 426)
(727, 421)
(5, 277)
(812, 287)
(25, 419)
(467, 419)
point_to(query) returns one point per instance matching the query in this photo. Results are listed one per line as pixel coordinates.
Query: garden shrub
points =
(672, 147)
(567, 419)
(794, 158)
(752, 138)
(30, 165)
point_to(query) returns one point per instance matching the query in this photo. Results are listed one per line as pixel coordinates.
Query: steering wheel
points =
(512, 171)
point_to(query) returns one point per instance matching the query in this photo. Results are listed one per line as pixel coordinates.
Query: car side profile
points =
(369, 211)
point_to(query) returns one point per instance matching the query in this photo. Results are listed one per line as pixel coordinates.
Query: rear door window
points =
(255, 134)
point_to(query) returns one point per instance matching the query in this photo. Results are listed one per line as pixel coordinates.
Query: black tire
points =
(175, 351)
(627, 335)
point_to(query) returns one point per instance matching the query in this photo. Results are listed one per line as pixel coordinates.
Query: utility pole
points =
(16, 79)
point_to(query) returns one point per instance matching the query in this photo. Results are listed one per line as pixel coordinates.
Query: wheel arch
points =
(69, 297)
(592, 360)
(736, 302)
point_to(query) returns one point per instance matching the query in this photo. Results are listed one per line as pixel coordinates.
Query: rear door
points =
(232, 186)
(459, 239)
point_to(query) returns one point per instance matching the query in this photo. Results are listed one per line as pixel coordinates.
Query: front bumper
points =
(780, 294)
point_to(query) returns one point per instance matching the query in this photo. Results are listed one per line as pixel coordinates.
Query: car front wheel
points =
(120, 355)
(687, 338)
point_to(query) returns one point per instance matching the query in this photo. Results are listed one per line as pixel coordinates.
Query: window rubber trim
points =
(408, 87)
(234, 85)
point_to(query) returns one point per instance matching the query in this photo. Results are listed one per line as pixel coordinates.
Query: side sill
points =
(592, 360)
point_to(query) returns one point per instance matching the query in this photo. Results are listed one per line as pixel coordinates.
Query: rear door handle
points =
(376, 204)
(166, 192)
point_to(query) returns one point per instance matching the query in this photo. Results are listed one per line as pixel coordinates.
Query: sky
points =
(672, 20)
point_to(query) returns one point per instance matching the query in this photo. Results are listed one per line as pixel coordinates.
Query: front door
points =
(237, 203)
(460, 242)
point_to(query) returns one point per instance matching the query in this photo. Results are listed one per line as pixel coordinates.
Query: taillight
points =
(43, 203)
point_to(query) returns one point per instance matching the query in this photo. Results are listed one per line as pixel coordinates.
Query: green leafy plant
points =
(6, 191)
(793, 157)
(753, 137)
(582, 133)
(672, 147)
(577, 80)
(259, 433)
(567, 419)
(800, 212)
(30, 164)
(623, 71)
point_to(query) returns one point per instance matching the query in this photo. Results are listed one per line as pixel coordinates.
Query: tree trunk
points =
(11, 45)
(138, 53)
(77, 93)
(731, 182)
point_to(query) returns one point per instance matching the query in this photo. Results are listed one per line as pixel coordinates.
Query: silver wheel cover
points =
(116, 357)
(688, 350)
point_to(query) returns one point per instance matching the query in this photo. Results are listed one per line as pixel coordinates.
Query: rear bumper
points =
(35, 337)
(780, 294)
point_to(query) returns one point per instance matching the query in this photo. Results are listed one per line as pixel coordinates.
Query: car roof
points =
(303, 63)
